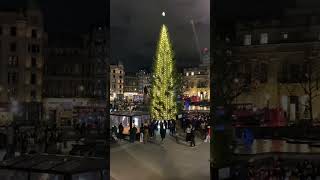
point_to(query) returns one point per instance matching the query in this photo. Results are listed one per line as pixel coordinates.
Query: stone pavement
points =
(160, 161)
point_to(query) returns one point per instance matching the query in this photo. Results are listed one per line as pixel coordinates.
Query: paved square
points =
(160, 161)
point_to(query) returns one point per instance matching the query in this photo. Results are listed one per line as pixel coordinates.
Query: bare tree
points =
(230, 81)
(307, 80)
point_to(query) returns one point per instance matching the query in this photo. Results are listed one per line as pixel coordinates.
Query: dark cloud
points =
(135, 27)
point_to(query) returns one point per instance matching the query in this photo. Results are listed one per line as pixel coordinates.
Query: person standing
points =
(114, 130)
(133, 133)
(120, 131)
(203, 130)
(188, 135)
(142, 129)
(150, 127)
(146, 133)
(173, 127)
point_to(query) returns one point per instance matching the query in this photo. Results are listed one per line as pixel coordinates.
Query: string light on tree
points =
(163, 99)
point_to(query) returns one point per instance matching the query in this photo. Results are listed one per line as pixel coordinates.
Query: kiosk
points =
(129, 119)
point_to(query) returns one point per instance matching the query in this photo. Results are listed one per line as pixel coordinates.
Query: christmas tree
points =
(163, 96)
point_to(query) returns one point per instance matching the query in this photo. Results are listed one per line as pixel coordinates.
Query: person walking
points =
(162, 132)
(120, 128)
(192, 137)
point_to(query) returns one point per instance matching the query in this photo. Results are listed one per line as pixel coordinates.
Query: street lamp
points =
(81, 89)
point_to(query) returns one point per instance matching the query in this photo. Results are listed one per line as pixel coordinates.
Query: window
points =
(12, 77)
(13, 61)
(35, 48)
(120, 86)
(13, 47)
(192, 73)
(120, 72)
(247, 39)
(33, 78)
(33, 95)
(114, 76)
(114, 71)
(120, 77)
(264, 38)
(13, 31)
(34, 33)
(187, 74)
(33, 62)
(285, 35)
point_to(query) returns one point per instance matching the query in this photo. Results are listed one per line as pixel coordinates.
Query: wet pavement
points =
(160, 161)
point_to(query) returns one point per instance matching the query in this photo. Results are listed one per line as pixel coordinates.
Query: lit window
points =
(187, 74)
(264, 38)
(285, 36)
(192, 73)
(247, 39)
(198, 72)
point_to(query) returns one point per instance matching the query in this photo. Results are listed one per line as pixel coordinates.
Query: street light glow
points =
(163, 14)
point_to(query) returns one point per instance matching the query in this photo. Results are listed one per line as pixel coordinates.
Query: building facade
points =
(275, 53)
(117, 74)
(197, 80)
(75, 77)
(22, 41)
(131, 87)
(144, 84)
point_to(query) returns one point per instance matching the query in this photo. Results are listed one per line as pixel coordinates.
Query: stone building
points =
(131, 87)
(22, 40)
(274, 53)
(117, 74)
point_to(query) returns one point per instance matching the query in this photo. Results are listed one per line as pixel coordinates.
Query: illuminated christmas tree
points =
(163, 96)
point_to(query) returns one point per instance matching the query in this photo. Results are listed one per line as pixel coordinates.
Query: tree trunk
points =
(310, 109)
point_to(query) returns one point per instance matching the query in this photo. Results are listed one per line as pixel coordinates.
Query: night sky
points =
(67, 15)
(135, 27)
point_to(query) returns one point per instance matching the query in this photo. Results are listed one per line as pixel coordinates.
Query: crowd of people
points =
(146, 131)
(192, 124)
(286, 170)
(32, 140)
(197, 122)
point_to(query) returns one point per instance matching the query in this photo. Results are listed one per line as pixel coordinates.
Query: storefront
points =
(68, 112)
(91, 116)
